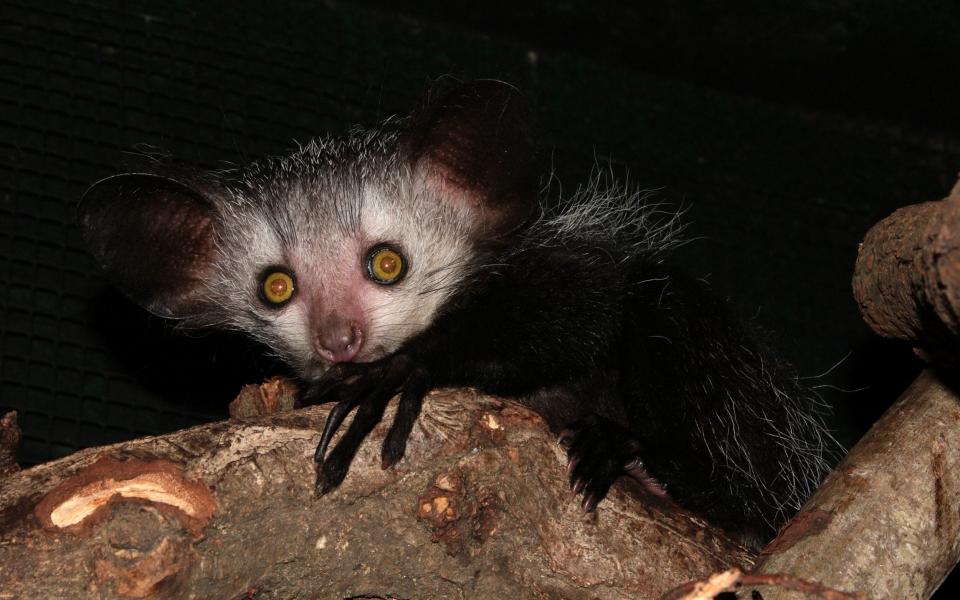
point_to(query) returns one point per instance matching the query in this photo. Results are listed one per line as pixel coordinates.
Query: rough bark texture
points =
(907, 276)
(886, 522)
(479, 508)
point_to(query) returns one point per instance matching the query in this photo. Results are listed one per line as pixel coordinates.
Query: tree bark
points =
(886, 522)
(907, 277)
(478, 508)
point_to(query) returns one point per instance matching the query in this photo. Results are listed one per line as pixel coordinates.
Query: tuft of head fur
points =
(606, 214)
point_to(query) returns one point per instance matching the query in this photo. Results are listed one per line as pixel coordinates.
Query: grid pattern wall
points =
(782, 195)
(84, 83)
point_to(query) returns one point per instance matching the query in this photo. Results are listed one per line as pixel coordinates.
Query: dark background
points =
(788, 128)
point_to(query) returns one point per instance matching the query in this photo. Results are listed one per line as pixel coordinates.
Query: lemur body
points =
(420, 255)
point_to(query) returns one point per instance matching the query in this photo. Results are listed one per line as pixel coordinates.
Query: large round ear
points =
(154, 237)
(471, 144)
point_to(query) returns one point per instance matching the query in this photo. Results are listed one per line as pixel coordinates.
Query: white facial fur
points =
(318, 218)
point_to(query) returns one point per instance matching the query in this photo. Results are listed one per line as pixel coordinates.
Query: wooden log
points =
(907, 277)
(478, 508)
(886, 522)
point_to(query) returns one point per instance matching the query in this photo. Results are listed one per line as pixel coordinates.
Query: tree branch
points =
(479, 508)
(907, 276)
(886, 522)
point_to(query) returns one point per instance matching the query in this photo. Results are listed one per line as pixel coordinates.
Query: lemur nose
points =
(340, 342)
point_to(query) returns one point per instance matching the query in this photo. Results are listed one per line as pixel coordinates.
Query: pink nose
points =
(340, 342)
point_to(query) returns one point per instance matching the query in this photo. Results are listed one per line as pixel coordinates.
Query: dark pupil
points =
(278, 286)
(388, 264)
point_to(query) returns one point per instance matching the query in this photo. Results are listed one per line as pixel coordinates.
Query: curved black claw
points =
(332, 469)
(411, 401)
(368, 388)
(346, 385)
(598, 452)
(334, 419)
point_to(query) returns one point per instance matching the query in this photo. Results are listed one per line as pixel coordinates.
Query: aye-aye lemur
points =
(423, 254)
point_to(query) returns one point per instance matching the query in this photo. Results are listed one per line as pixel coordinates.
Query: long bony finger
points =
(408, 410)
(334, 419)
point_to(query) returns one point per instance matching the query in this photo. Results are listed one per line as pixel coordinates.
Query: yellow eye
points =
(278, 287)
(385, 265)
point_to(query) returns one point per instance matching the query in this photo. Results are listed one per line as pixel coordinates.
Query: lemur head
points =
(340, 251)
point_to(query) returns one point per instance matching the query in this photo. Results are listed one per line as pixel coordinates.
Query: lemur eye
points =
(276, 286)
(385, 265)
